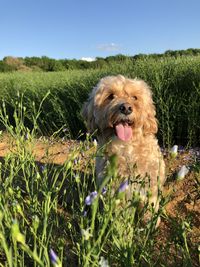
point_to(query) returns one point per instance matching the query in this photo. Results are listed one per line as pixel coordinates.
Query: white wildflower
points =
(174, 151)
(86, 233)
(103, 262)
(182, 173)
(95, 143)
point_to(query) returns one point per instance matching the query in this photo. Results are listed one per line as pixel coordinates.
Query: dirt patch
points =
(44, 149)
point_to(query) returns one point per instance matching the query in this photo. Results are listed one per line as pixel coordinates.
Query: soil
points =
(182, 212)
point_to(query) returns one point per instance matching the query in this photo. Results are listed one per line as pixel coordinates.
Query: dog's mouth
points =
(123, 130)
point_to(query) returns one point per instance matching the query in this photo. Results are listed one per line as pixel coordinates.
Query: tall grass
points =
(175, 84)
(52, 215)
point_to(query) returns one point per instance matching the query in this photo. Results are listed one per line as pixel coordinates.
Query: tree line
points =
(9, 63)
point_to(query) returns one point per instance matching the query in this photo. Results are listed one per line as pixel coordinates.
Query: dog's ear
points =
(87, 113)
(150, 125)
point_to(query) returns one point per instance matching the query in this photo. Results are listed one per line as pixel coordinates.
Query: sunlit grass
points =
(175, 84)
(55, 215)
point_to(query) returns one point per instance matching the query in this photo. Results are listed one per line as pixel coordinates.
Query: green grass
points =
(43, 208)
(176, 90)
(32, 194)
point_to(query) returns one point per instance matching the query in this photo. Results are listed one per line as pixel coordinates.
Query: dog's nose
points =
(125, 108)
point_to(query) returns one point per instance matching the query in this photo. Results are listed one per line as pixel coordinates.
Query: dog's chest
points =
(127, 155)
(122, 150)
(133, 158)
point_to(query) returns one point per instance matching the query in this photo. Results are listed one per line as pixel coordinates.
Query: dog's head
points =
(121, 107)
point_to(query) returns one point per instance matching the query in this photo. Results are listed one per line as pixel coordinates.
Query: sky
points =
(97, 28)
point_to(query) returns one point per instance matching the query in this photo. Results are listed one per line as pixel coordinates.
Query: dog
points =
(122, 113)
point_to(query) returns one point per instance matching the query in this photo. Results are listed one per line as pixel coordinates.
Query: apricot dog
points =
(122, 113)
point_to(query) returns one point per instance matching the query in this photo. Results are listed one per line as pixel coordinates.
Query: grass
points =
(176, 90)
(53, 215)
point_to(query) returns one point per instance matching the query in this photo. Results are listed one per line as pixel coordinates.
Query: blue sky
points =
(90, 28)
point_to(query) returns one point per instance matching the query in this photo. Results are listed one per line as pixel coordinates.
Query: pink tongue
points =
(124, 131)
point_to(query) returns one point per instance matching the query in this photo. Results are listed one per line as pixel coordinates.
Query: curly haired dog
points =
(122, 112)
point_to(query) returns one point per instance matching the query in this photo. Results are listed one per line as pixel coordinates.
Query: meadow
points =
(176, 91)
(51, 213)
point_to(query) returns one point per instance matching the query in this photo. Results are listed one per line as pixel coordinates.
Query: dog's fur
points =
(127, 104)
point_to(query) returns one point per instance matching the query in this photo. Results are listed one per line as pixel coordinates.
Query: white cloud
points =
(109, 47)
(89, 59)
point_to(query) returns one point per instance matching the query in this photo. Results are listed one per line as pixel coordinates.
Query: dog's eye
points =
(134, 97)
(110, 97)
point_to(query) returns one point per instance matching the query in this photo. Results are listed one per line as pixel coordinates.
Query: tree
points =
(15, 63)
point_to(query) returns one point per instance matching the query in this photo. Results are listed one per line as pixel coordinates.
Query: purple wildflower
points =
(53, 257)
(26, 136)
(181, 149)
(90, 198)
(84, 213)
(104, 190)
(65, 130)
(42, 167)
(123, 186)
(76, 161)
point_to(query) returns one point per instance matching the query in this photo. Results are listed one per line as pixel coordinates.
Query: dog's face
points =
(120, 107)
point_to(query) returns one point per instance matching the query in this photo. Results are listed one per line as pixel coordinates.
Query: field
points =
(50, 212)
(175, 84)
